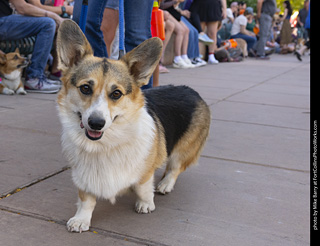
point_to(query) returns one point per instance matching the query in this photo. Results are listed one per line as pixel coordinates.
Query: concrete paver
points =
(251, 186)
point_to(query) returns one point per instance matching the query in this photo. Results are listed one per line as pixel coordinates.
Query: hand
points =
(224, 13)
(55, 17)
(186, 13)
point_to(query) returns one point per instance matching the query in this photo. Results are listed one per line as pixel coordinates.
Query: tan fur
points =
(242, 44)
(133, 145)
(183, 155)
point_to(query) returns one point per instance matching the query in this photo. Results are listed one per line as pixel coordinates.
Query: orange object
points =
(232, 43)
(241, 11)
(157, 22)
(256, 30)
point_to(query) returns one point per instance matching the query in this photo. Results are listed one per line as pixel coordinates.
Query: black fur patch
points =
(174, 106)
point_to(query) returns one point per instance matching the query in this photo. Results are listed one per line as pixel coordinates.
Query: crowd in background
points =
(201, 32)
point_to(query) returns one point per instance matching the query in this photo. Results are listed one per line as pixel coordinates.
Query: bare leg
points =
(212, 33)
(109, 26)
(184, 48)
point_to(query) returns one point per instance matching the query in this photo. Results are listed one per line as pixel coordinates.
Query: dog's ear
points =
(17, 50)
(72, 45)
(3, 58)
(143, 59)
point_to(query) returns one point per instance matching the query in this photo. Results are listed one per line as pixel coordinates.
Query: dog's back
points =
(184, 120)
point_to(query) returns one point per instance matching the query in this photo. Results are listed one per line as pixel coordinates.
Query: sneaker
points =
(297, 54)
(262, 57)
(180, 64)
(189, 63)
(55, 76)
(198, 62)
(205, 39)
(213, 61)
(53, 81)
(41, 85)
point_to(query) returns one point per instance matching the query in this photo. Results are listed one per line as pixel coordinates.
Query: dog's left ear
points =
(17, 50)
(3, 58)
(143, 59)
(72, 45)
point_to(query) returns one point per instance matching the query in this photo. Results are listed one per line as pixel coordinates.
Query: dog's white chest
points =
(12, 80)
(105, 176)
(105, 171)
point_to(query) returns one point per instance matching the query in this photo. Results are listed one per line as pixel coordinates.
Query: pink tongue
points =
(94, 134)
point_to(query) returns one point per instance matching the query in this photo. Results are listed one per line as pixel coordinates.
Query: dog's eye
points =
(15, 57)
(85, 89)
(116, 95)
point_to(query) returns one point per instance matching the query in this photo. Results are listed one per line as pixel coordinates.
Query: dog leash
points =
(83, 20)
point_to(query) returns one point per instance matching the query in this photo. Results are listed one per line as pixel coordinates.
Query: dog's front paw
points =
(21, 91)
(76, 224)
(144, 207)
(8, 91)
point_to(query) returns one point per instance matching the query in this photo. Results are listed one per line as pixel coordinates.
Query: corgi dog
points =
(114, 135)
(11, 66)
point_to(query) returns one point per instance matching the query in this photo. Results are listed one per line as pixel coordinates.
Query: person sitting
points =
(232, 13)
(31, 21)
(239, 30)
(59, 10)
(181, 59)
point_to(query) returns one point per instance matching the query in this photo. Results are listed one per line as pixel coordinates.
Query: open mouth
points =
(92, 135)
(24, 64)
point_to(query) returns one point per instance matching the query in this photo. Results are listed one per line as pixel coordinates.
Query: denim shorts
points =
(112, 4)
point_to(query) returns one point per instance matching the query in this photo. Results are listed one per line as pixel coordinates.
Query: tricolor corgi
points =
(115, 135)
(11, 66)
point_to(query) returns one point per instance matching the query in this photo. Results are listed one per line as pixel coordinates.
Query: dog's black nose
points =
(96, 123)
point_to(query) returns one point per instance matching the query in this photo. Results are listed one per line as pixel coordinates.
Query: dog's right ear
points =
(72, 45)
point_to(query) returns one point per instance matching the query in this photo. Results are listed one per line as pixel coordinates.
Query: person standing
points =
(265, 11)
(286, 32)
(301, 20)
(211, 12)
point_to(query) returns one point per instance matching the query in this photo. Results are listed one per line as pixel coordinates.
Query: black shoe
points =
(263, 57)
(252, 53)
(298, 55)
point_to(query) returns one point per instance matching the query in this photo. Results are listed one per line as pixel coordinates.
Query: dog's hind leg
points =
(187, 151)
(81, 221)
(177, 163)
(145, 193)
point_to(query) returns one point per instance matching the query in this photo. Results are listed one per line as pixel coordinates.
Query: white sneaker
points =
(205, 39)
(41, 85)
(198, 62)
(180, 64)
(213, 60)
(189, 63)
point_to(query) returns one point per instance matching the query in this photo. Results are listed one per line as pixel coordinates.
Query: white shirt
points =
(241, 20)
(229, 16)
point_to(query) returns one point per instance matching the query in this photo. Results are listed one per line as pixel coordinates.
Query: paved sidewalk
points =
(251, 186)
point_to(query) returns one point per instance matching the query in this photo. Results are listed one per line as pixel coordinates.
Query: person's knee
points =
(178, 30)
(169, 26)
(49, 25)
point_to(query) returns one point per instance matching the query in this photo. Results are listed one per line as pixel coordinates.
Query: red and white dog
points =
(11, 66)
